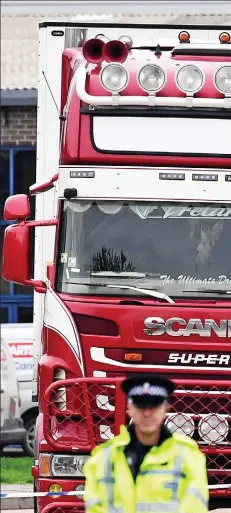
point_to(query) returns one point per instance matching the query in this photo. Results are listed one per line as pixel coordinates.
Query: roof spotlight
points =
(151, 78)
(189, 78)
(114, 77)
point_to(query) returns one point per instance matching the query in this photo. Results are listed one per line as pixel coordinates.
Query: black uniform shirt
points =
(135, 451)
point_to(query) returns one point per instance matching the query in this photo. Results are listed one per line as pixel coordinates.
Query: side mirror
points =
(16, 248)
(16, 257)
(17, 207)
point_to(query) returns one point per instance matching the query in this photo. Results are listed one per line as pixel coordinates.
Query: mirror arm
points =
(48, 222)
(38, 285)
(43, 187)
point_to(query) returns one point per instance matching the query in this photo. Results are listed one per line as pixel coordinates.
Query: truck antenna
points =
(53, 98)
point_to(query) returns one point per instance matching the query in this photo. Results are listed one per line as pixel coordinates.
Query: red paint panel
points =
(70, 60)
(70, 134)
(88, 155)
(130, 321)
(57, 354)
(77, 147)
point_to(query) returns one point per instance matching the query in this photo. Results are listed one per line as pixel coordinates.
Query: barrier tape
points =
(22, 495)
(39, 494)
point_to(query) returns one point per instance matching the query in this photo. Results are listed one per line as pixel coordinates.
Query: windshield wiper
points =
(152, 293)
(210, 291)
(148, 292)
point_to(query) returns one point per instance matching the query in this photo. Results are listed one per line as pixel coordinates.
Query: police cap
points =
(146, 390)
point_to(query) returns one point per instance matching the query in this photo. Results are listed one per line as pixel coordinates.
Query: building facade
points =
(17, 173)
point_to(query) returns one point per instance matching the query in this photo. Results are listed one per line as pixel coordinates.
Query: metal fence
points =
(78, 415)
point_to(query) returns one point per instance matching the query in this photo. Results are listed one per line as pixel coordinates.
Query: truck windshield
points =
(158, 246)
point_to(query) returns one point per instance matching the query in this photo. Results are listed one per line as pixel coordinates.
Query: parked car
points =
(19, 338)
(11, 429)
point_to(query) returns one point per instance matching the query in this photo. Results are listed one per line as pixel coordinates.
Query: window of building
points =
(17, 173)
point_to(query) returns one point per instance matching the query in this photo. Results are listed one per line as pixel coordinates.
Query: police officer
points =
(146, 468)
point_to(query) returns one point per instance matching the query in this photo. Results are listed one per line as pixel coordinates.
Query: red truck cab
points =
(135, 275)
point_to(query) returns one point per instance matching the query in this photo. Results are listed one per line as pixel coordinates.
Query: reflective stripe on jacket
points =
(172, 478)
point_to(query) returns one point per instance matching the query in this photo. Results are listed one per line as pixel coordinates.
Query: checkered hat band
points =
(151, 390)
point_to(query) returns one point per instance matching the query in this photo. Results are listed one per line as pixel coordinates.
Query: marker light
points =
(45, 465)
(114, 77)
(203, 177)
(151, 78)
(222, 79)
(172, 176)
(189, 78)
(133, 357)
(224, 37)
(184, 36)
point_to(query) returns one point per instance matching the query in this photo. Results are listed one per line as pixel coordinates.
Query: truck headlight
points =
(66, 465)
(189, 78)
(151, 78)
(181, 423)
(81, 463)
(222, 79)
(114, 77)
(58, 465)
(213, 428)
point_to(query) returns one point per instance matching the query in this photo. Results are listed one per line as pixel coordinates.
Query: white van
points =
(19, 338)
(12, 430)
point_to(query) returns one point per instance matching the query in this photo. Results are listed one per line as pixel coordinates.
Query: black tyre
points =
(28, 443)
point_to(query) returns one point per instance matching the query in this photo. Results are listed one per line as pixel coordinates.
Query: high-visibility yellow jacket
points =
(172, 478)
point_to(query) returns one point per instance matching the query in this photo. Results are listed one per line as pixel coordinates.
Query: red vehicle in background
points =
(132, 269)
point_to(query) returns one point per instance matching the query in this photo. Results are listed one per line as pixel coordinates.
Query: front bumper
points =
(68, 485)
(58, 507)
